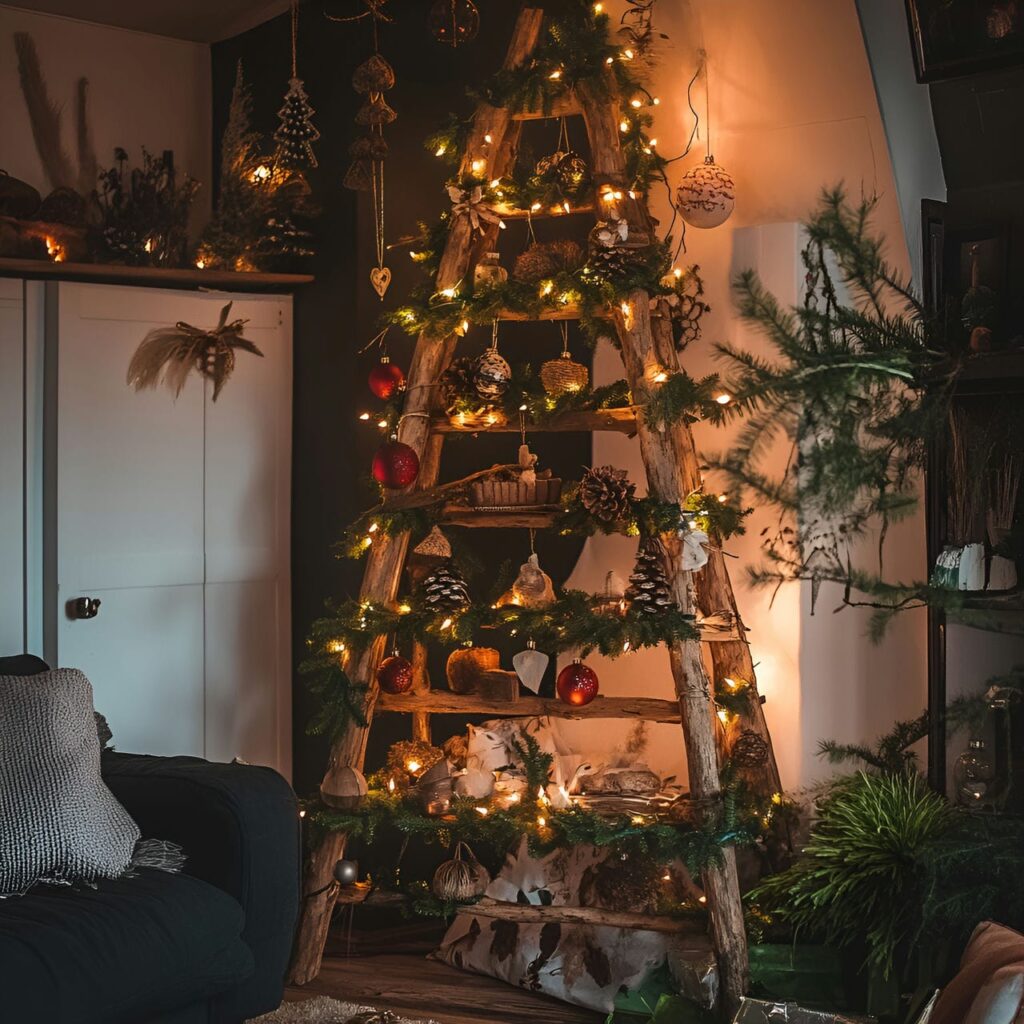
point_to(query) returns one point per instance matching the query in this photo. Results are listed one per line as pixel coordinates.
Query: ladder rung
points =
(622, 421)
(531, 517)
(564, 106)
(443, 702)
(545, 211)
(566, 312)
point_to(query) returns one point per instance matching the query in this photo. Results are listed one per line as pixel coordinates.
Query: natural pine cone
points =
(606, 493)
(649, 589)
(749, 750)
(445, 589)
(457, 382)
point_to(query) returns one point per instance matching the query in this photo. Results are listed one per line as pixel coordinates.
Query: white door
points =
(169, 511)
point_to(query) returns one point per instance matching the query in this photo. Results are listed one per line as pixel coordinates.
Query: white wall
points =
(144, 90)
(793, 109)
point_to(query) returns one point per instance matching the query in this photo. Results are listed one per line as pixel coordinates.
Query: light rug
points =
(324, 1010)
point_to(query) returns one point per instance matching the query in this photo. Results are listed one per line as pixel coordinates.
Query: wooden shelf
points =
(443, 702)
(536, 517)
(622, 421)
(524, 913)
(1010, 601)
(544, 211)
(151, 277)
(564, 106)
(568, 312)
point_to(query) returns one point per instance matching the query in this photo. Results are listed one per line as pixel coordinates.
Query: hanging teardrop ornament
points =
(530, 666)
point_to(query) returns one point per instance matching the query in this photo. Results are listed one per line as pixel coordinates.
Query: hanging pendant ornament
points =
(706, 195)
(395, 674)
(577, 684)
(385, 379)
(564, 168)
(563, 376)
(532, 587)
(395, 464)
(296, 133)
(530, 666)
(374, 75)
(454, 22)
(491, 374)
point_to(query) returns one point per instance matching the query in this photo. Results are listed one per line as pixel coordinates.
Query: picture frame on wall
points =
(951, 38)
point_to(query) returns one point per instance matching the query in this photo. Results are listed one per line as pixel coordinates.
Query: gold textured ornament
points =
(564, 376)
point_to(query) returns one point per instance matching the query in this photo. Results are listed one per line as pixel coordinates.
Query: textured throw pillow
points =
(58, 820)
(989, 987)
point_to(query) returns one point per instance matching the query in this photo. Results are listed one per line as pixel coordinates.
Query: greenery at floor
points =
(895, 876)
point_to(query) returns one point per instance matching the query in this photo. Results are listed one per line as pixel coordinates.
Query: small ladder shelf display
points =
(649, 353)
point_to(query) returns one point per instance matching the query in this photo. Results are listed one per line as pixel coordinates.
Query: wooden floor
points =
(410, 984)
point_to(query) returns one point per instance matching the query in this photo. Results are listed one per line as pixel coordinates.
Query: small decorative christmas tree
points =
(296, 133)
(648, 585)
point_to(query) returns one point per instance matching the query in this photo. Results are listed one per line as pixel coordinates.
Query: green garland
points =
(500, 828)
(647, 517)
(572, 622)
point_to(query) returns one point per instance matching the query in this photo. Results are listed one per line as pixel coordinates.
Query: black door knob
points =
(83, 608)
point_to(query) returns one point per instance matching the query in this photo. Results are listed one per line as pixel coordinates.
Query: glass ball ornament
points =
(454, 22)
(385, 379)
(491, 375)
(395, 465)
(577, 684)
(346, 872)
(706, 195)
(394, 675)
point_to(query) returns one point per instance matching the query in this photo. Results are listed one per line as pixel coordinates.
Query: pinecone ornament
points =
(606, 493)
(649, 590)
(445, 589)
(749, 751)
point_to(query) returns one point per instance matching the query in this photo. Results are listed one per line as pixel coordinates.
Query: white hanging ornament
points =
(706, 195)
(530, 666)
(694, 553)
(491, 374)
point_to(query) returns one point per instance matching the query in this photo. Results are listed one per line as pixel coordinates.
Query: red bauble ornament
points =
(395, 465)
(577, 684)
(385, 379)
(395, 674)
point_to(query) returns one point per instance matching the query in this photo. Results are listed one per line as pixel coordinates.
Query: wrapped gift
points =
(756, 1011)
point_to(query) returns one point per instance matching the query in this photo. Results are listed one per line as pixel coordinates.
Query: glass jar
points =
(973, 775)
(489, 272)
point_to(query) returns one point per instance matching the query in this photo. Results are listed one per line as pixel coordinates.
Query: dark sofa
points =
(207, 946)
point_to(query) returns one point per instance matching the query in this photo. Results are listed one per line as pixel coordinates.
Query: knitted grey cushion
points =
(58, 820)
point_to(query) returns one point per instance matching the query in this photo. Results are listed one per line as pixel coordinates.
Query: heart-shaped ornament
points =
(380, 278)
(530, 666)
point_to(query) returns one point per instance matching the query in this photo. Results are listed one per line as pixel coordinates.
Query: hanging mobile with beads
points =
(366, 172)
(296, 133)
(491, 374)
(564, 376)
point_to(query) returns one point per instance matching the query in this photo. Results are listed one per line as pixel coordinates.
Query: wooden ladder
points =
(673, 473)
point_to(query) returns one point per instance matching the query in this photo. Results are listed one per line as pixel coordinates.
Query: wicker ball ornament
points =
(577, 684)
(543, 260)
(454, 22)
(706, 195)
(749, 751)
(461, 878)
(563, 376)
(395, 465)
(385, 379)
(394, 675)
(491, 375)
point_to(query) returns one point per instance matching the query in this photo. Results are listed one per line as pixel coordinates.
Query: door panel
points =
(129, 519)
(12, 468)
(143, 655)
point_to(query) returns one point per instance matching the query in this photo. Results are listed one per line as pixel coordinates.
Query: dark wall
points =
(336, 316)
(979, 121)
